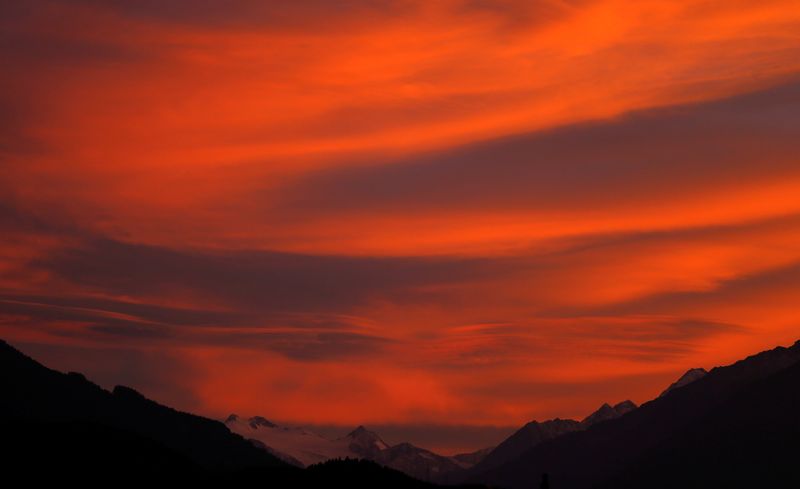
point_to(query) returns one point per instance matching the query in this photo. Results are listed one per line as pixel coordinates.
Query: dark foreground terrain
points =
(737, 427)
(62, 430)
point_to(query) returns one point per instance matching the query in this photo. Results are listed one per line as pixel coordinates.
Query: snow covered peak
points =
(258, 421)
(607, 412)
(365, 443)
(301, 447)
(361, 432)
(295, 445)
(690, 376)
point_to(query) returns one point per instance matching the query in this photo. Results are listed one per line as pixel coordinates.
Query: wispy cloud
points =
(462, 212)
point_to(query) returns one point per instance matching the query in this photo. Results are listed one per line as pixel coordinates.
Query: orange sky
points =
(460, 212)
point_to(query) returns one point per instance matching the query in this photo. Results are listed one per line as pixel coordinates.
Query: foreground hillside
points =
(735, 427)
(61, 428)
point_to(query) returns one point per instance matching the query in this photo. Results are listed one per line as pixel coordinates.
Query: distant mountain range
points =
(536, 432)
(734, 427)
(301, 447)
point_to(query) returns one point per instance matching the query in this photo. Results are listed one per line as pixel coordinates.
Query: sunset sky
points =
(443, 218)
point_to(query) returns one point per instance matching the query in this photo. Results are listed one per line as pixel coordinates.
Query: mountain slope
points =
(610, 448)
(302, 447)
(364, 443)
(524, 439)
(690, 376)
(297, 446)
(534, 433)
(749, 441)
(469, 459)
(61, 429)
(33, 394)
(607, 412)
(418, 462)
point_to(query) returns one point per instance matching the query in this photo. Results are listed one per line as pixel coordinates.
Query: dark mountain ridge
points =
(536, 432)
(749, 441)
(62, 429)
(687, 378)
(301, 447)
(34, 393)
(735, 427)
(583, 459)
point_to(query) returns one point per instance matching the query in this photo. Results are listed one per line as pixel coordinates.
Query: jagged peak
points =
(625, 406)
(607, 412)
(365, 440)
(604, 408)
(360, 431)
(125, 391)
(691, 375)
(257, 421)
(406, 446)
(557, 421)
(233, 417)
(549, 422)
(695, 371)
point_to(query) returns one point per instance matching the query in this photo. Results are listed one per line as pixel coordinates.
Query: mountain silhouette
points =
(690, 376)
(365, 443)
(749, 441)
(61, 429)
(534, 433)
(33, 393)
(607, 412)
(692, 437)
(734, 427)
(301, 447)
(524, 439)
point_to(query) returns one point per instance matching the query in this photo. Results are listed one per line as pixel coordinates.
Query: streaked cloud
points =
(454, 213)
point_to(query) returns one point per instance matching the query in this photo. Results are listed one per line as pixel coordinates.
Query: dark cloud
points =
(303, 346)
(307, 294)
(26, 48)
(128, 331)
(516, 16)
(251, 13)
(668, 151)
(111, 324)
(101, 321)
(666, 334)
(12, 219)
(58, 34)
(52, 225)
(253, 280)
(87, 307)
(636, 337)
(278, 15)
(777, 286)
